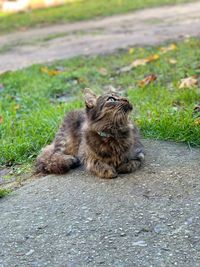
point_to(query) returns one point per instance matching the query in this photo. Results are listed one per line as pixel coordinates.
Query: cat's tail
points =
(139, 154)
(50, 161)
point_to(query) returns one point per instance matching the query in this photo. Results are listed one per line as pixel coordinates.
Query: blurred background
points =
(21, 5)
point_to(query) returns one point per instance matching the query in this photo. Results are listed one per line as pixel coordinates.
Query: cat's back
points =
(73, 121)
(69, 135)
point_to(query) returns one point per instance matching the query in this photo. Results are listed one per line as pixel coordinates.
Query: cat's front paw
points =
(107, 173)
(101, 169)
(129, 167)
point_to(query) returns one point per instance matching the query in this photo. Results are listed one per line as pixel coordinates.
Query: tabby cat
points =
(101, 137)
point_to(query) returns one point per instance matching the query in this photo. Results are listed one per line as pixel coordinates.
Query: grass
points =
(75, 11)
(4, 192)
(33, 101)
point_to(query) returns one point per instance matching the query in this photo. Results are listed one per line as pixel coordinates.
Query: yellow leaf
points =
(141, 49)
(166, 49)
(147, 80)
(50, 72)
(144, 61)
(152, 58)
(131, 50)
(16, 107)
(197, 121)
(44, 69)
(188, 82)
(139, 62)
(82, 80)
(103, 71)
(172, 61)
(1, 119)
(54, 72)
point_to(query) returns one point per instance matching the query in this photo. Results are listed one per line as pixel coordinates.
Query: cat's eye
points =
(111, 99)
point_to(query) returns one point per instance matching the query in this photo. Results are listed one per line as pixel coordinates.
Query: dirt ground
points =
(145, 27)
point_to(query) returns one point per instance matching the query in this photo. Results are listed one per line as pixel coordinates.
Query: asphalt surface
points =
(146, 219)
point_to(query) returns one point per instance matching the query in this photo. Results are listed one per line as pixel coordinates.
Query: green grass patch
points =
(75, 11)
(33, 101)
(4, 192)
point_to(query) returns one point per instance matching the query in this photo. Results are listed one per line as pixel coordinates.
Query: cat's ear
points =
(90, 98)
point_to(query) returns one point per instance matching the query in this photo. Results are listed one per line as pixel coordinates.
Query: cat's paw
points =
(129, 167)
(61, 163)
(107, 173)
(101, 169)
(72, 161)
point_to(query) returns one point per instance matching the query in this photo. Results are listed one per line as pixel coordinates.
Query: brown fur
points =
(101, 137)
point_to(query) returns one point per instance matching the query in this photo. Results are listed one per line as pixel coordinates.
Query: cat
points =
(101, 137)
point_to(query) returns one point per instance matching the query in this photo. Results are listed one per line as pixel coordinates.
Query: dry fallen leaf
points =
(50, 72)
(172, 61)
(82, 80)
(16, 107)
(131, 50)
(139, 62)
(197, 121)
(103, 71)
(1, 119)
(125, 69)
(188, 82)
(166, 49)
(152, 58)
(147, 80)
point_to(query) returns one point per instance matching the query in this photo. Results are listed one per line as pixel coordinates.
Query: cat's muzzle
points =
(127, 107)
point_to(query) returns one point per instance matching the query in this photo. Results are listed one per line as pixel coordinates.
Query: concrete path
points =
(145, 27)
(147, 219)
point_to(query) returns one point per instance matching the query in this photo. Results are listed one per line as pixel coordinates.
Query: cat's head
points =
(107, 110)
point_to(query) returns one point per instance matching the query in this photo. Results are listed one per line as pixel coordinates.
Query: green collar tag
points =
(104, 135)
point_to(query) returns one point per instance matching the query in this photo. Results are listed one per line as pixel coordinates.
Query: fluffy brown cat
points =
(102, 137)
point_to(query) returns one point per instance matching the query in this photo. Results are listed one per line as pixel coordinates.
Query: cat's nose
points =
(127, 107)
(124, 99)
